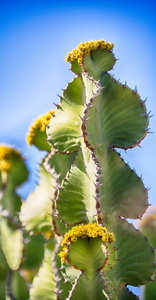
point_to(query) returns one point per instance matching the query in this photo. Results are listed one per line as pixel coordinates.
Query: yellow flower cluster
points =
(39, 124)
(84, 231)
(85, 49)
(6, 154)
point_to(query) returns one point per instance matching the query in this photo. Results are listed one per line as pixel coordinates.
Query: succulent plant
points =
(76, 240)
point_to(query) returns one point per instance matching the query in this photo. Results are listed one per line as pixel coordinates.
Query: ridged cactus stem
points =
(74, 285)
(56, 187)
(84, 120)
(55, 270)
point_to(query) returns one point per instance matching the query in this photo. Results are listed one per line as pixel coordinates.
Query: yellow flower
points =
(39, 124)
(6, 155)
(84, 231)
(85, 49)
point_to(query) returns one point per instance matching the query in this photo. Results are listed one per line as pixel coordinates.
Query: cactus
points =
(73, 238)
(148, 227)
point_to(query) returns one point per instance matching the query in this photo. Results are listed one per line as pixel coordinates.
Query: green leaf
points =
(124, 192)
(35, 211)
(118, 118)
(76, 197)
(12, 243)
(64, 129)
(135, 255)
(98, 61)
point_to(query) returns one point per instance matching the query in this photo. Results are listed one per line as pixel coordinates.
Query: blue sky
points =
(35, 36)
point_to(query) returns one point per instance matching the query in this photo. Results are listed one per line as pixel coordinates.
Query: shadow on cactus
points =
(78, 213)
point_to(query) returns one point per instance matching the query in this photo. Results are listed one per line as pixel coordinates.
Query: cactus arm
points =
(118, 118)
(149, 291)
(92, 57)
(11, 165)
(87, 248)
(125, 194)
(89, 288)
(134, 250)
(37, 132)
(97, 62)
(11, 238)
(59, 162)
(76, 201)
(43, 285)
(148, 227)
(35, 211)
(11, 202)
(126, 294)
(48, 284)
(65, 135)
(88, 255)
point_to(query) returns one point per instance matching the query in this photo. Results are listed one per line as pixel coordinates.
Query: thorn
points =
(80, 136)
(65, 281)
(149, 113)
(151, 279)
(82, 119)
(143, 101)
(88, 119)
(150, 132)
